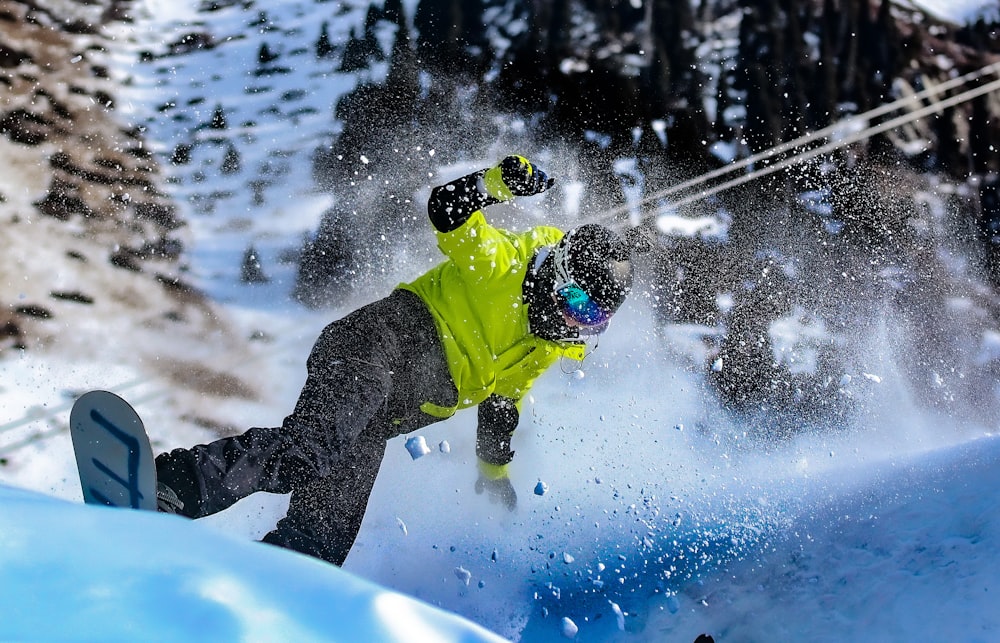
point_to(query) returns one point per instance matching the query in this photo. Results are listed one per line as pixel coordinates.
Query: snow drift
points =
(78, 572)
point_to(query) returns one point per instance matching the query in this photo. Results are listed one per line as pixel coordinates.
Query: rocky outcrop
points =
(90, 242)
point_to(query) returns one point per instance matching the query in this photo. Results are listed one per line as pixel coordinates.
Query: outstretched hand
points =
(522, 177)
(498, 490)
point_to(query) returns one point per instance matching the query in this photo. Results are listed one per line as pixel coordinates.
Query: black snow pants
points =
(368, 374)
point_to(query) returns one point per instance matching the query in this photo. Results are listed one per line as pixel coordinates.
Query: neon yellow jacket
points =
(475, 298)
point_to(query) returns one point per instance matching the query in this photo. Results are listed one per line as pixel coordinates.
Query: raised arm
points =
(450, 205)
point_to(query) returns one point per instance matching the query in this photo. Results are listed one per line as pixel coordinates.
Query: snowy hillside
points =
(820, 542)
(957, 11)
(97, 574)
(645, 511)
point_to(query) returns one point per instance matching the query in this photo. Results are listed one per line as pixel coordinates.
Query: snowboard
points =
(112, 451)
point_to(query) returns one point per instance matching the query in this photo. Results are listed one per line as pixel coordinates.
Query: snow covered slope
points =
(77, 572)
(909, 554)
(900, 551)
(957, 11)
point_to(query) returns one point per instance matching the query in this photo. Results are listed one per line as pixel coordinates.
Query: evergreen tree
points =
(437, 32)
(355, 55)
(394, 13)
(826, 94)
(218, 118)
(523, 80)
(265, 55)
(361, 52)
(672, 84)
(451, 36)
(404, 72)
(758, 75)
(326, 272)
(181, 154)
(324, 48)
(251, 271)
(231, 161)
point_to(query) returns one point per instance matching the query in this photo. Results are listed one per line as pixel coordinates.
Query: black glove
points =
(494, 481)
(522, 177)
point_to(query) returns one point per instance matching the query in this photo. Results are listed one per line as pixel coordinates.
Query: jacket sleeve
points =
(451, 204)
(498, 418)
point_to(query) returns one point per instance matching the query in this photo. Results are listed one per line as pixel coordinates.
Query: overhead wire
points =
(763, 156)
(833, 145)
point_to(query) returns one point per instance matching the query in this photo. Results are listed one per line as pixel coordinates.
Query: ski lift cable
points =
(833, 145)
(619, 214)
(809, 137)
(36, 416)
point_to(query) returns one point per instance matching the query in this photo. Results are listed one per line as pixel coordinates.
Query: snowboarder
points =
(476, 330)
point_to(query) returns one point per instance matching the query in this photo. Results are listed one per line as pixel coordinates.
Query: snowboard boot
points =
(166, 500)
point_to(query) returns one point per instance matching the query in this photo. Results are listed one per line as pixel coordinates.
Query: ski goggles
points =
(574, 300)
(578, 306)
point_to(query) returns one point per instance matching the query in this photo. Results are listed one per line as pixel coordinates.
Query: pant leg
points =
(208, 478)
(345, 387)
(324, 517)
(351, 373)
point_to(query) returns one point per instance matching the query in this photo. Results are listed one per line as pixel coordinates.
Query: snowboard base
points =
(113, 454)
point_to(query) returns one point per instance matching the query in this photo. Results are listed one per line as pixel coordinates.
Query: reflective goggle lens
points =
(579, 307)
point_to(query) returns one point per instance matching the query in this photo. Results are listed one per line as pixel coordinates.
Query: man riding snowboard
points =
(476, 330)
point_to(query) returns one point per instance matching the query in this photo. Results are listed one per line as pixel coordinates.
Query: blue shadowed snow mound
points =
(71, 570)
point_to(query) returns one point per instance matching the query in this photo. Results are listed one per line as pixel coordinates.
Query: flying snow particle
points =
(619, 614)
(872, 377)
(417, 446)
(579, 374)
(569, 628)
(463, 574)
(402, 525)
(568, 558)
(717, 365)
(541, 488)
